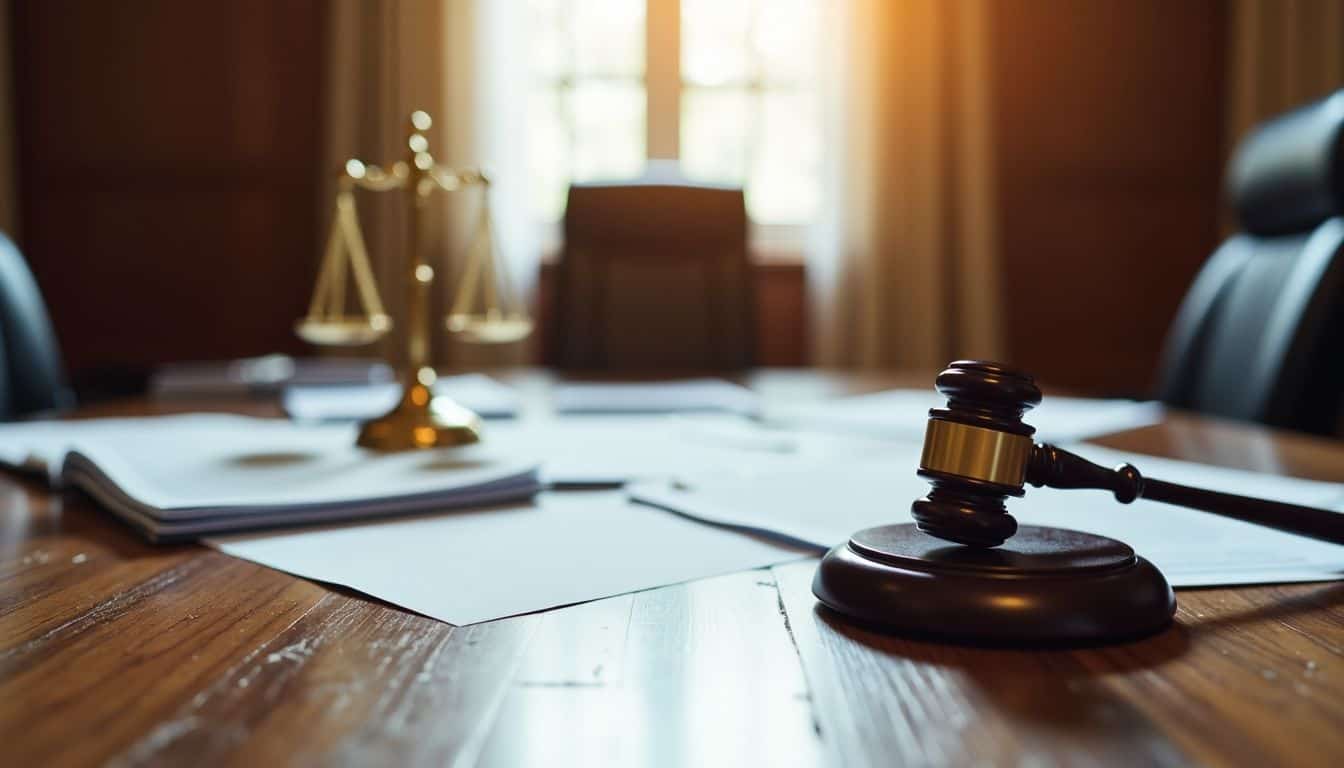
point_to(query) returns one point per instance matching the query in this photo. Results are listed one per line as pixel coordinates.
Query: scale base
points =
(419, 421)
(1045, 586)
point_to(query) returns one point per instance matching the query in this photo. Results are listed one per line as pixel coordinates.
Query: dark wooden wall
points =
(1110, 149)
(170, 154)
(168, 158)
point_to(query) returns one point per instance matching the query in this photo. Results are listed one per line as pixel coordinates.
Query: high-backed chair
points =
(1260, 335)
(32, 378)
(654, 276)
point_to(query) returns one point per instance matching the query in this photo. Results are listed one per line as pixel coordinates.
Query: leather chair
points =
(1260, 335)
(654, 275)
(32, 378)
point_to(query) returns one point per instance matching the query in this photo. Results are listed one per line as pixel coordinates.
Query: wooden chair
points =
(1260, 335)
(654, 275)
(32, 378)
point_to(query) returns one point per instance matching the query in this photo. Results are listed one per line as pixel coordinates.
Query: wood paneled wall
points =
(1110, 149)
(169, 166)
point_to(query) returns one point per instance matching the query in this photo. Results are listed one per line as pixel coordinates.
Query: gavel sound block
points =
(966, 571)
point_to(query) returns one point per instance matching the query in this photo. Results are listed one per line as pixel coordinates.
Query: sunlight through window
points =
(742, 108)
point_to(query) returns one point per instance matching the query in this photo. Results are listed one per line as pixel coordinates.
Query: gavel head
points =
(976, 452)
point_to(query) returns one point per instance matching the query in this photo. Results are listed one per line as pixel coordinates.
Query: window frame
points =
(662, 126)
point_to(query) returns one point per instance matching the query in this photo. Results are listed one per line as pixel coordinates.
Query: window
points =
(724, 87)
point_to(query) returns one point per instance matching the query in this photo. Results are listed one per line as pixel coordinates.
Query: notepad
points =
(823, 506)
(904, 413)
(179, 477)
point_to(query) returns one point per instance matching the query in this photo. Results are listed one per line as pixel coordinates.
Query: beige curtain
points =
(903, 265)
(9, 203)
(1281, 54)
(387, 58)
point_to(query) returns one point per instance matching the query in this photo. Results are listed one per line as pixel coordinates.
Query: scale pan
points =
(483, 329)
(343, 331)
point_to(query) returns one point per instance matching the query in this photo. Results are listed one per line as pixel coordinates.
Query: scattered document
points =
(262, 376)
(903, 413)
(177, 477)
(471, 566)
(614, 450)
(684, 396)
(475, 391)
(826, 504)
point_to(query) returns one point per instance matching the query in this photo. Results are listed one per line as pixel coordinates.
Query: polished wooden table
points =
(116, 651)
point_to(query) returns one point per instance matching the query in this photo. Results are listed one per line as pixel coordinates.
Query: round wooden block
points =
(1045, 586)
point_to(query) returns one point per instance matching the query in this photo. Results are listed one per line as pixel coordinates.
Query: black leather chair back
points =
(32, 378)
(1260, 335)
(655, 276)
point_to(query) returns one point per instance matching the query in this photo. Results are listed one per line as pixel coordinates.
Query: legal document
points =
(903, 413)
(823, 506)
(481, 564)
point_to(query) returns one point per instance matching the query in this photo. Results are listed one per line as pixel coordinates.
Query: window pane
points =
(749, 111)
(548, 152)
(715, 128)
(608, 37)
(782, 186)
(714, 36)
(549, 41)
(586, 110)
(608, 120)
(784, 38)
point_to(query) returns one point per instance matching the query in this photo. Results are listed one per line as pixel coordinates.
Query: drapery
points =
(902, 264)
(457, 60)
(1280, 54)
(9, 208)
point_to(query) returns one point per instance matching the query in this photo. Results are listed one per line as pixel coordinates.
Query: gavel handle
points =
(1305, 521)
(1057, 468)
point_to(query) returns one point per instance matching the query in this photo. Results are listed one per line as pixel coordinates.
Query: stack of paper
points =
(262, 376)
(180, 477)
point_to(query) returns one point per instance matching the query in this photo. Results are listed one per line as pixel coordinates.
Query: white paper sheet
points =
(826, 504)
(478, 392)
(613, 450)
(903, 413)
(472, 566)
(681, 396)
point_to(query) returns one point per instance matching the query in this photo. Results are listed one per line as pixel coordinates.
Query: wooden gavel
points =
(978, 452)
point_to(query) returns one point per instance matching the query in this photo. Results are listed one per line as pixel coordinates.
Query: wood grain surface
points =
(117, 652)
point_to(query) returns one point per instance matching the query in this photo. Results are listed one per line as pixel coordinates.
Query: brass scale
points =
(485, 309)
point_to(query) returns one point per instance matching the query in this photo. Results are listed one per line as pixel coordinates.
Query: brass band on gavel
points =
(990, 455)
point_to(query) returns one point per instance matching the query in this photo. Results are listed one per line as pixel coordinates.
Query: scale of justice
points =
(485, 309)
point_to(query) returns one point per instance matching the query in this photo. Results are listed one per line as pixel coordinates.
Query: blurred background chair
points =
(654, 275)
(1260, 335)
(32, 377)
